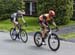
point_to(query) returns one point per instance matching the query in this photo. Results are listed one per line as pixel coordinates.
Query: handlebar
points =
(25, 24)
(55, 29)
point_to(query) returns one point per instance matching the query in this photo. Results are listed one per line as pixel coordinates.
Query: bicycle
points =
(19, 34)
(52, 40)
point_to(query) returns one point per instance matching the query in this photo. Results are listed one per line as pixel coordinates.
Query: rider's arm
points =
(53, 22)
(43, 20)
(23, 20)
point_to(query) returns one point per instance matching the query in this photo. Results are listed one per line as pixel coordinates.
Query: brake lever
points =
(56, 30)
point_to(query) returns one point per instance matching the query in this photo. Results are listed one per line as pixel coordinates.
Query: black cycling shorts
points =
(13, 19)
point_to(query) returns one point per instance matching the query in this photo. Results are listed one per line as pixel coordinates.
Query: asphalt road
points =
(9, 47)
(63, 30)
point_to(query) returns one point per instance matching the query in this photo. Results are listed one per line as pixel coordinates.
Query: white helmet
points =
(51, 13)
(21, 12)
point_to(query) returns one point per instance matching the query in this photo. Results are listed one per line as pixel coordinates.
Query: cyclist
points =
(15, 16)
(44, 20)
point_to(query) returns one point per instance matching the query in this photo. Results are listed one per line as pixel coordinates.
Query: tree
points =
(44, 6)
(9, 6)
(63, 9)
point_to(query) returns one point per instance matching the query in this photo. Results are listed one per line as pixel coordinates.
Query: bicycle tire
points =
(56, 38)
(11, 34)
(35, 35)
(24, 34)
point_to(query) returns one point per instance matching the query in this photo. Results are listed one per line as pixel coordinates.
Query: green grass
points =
(69, 24)
(31, 21)
(33, 24)
(68, 36)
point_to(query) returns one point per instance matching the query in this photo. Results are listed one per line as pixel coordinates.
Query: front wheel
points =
(53, 42)
(23, 36)
(13, 34)
(38, 39)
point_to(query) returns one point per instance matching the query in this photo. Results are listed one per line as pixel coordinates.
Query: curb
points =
(32, 33)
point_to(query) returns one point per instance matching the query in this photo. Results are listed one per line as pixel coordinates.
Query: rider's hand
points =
(26, 24)
(57, 29)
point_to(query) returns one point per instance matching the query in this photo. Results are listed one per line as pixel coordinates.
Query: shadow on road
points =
(12, 41)
(35, 48)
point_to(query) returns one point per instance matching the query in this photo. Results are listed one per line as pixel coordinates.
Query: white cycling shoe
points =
(43, 43)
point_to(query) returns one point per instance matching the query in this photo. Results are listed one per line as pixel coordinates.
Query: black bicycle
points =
(19, 34)
(53, 40)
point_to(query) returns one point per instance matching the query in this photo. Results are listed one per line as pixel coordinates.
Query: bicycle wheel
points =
(23, 36)
(53, 42)
(38, 39)
(13, 34)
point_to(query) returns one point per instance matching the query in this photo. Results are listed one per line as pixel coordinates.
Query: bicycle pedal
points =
(43, 43)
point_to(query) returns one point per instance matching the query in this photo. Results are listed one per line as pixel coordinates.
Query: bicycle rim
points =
(23, 36)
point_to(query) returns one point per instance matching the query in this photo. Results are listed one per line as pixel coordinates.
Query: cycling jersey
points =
(45, 19)
(14, 16)
(48, 18)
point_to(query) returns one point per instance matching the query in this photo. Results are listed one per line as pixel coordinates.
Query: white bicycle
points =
(53, 40)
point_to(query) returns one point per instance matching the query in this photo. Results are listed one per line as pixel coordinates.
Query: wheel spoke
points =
(24, 36)
(38, 39)
(53, 42)
(12, 34)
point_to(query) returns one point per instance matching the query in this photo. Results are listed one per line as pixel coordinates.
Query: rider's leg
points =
(16, 24)
(13, 25)
(43, 36)
(44, 32)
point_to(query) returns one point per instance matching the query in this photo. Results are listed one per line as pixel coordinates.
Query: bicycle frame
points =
(52, 37)
(50, 32)
(20, 27)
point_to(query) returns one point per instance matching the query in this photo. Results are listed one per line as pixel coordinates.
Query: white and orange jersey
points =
(48, 18)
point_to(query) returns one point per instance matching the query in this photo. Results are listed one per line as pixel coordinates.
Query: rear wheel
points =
(54, 42)
(23, 36)
(38, 39)
(13, 34)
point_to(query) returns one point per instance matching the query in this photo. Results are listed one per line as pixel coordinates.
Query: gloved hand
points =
(57, 29)
(26, 24)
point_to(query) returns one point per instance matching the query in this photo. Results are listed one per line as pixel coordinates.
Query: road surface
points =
(9, 47)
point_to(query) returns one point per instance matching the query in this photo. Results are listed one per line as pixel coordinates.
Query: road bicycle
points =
(19, 34)
(53, 40)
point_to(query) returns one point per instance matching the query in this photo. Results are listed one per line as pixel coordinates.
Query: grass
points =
(33, 24)
(69, 24)
(31, 21)
(68, 36)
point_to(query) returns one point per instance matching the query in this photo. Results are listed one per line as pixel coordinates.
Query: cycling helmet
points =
(51, 13)
(21, 12)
